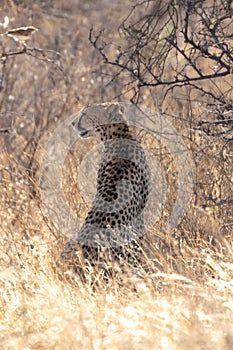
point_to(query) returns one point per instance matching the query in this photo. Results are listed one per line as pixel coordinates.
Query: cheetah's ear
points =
(112, 110)
(115, 109)
(122, 109)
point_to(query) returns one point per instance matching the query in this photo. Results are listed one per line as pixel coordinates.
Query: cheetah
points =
(115, 220)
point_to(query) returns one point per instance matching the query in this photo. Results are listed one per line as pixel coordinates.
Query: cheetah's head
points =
(102, 121)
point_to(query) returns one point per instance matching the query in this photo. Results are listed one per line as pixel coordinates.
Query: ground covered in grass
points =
(183, 295)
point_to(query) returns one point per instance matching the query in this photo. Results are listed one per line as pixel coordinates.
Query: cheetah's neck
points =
(116, 131)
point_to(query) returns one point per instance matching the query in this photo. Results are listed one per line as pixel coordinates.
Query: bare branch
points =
(189, 39)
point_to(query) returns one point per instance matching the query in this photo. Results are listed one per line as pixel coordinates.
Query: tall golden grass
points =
(183, 296)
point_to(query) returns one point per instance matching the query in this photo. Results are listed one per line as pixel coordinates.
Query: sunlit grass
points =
(182, 298)
(44, 305)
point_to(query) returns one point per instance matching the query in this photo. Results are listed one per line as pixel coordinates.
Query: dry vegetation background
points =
(184, 299)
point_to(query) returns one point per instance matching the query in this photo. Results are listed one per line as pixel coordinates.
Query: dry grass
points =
(182, 299)
(45, 307)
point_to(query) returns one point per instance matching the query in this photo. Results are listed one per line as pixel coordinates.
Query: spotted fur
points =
(115, 220)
